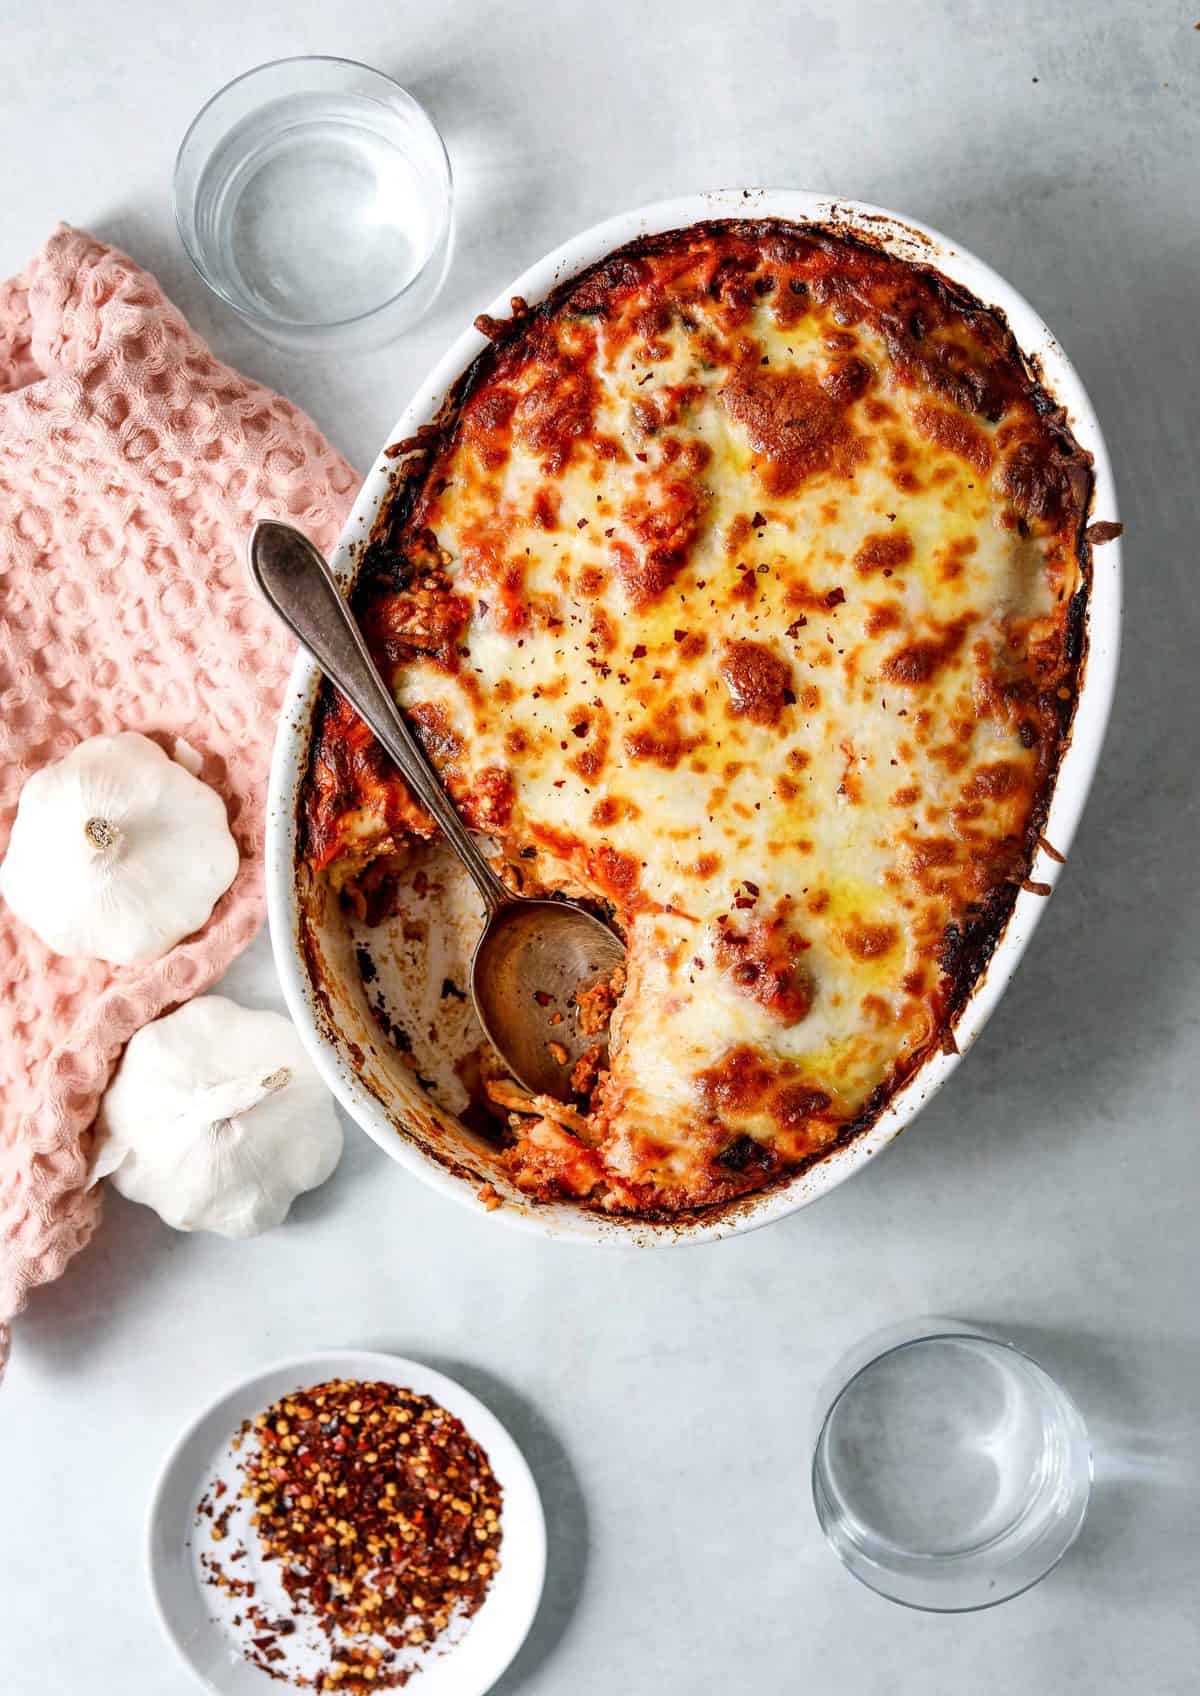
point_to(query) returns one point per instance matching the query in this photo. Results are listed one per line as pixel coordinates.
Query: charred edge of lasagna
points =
(418, 450)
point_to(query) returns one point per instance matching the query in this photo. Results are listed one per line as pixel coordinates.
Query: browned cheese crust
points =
(741, 588)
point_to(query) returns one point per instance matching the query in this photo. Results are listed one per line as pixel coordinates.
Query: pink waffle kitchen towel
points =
(132, 465)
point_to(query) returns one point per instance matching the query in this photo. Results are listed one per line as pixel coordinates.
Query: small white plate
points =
(191, 1611)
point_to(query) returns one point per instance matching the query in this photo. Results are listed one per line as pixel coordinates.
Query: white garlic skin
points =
(217, 1119)
(117, 852)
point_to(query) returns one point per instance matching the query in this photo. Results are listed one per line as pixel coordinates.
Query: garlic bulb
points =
(216, 1119)
(117, 852)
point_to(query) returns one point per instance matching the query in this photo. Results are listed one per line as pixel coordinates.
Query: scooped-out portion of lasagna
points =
(741, 589)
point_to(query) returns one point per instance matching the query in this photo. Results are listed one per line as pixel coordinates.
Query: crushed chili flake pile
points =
(383, 1515)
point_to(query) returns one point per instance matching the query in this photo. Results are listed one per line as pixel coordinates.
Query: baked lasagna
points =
(740, 589)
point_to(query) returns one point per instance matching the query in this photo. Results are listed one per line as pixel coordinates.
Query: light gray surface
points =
(664, 1399)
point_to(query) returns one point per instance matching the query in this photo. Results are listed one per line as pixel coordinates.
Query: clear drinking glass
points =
(950, 1471)
(314, 196)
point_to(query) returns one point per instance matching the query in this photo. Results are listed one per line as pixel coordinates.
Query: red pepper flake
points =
(1104, 529)
(383, 1514)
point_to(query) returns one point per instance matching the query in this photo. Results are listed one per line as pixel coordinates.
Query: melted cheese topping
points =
(738, 592)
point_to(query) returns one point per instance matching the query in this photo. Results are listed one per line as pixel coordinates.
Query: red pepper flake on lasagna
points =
(802, 757)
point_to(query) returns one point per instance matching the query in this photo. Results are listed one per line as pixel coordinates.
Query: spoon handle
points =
(300, 588)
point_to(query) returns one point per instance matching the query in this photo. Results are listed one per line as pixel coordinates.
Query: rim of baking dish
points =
(907, 238)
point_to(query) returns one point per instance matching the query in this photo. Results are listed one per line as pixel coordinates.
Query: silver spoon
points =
(534, 956)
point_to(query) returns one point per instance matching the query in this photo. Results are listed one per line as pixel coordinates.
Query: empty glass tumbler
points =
(950, 1471)
(314, 196)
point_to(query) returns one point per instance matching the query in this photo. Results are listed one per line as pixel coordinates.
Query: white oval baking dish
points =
(328, 1005)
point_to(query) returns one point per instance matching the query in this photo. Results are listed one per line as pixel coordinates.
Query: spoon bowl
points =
(534, 957)
(532, 962)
